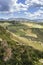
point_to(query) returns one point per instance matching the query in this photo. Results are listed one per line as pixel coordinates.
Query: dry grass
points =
(25, 41)
(31, 25)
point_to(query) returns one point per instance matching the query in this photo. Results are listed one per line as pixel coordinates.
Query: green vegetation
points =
(20, 44)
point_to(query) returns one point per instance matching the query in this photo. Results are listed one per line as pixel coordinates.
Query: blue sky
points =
(30, 9)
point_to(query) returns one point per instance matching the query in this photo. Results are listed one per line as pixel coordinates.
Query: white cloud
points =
(24, 7)
(17, 7)
(35, 15)
(41, 7)
(30, 2)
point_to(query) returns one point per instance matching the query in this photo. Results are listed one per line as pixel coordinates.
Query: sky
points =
(30, 9)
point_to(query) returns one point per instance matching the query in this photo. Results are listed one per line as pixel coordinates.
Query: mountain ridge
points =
(21, 19)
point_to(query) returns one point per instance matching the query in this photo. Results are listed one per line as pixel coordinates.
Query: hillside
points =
(21, 43)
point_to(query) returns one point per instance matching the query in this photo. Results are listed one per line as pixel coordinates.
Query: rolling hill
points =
(21, 43)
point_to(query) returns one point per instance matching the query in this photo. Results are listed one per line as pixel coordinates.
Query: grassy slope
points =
(25, 51)
(28, 36)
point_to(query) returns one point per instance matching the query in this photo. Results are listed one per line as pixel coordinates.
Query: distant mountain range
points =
(22, 19)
